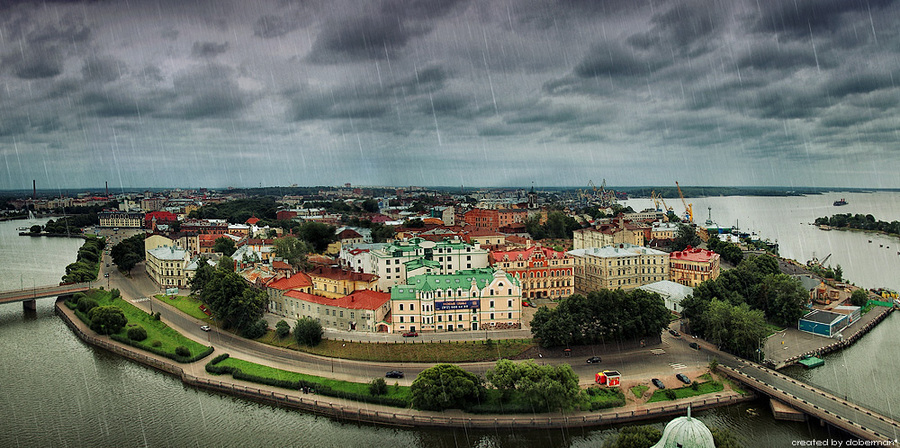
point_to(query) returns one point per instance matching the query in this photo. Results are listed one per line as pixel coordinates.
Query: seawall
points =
(384, 415)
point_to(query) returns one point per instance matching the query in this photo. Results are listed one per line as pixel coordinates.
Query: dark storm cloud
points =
(769, 57)
(41, 61)
(686, 28)
(208, 92)
(102, 69)
(610, 59)
(428, 79)
(208, 49)
(801, 17)
(841, 86)
(270, 26)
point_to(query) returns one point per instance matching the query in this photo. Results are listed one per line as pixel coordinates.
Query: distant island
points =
(858, 222)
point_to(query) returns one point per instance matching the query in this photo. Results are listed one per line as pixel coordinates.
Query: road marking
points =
(658, 351)
(142, 299)
(677, 366)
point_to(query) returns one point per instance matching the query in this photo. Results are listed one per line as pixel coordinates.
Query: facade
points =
(360, 311)
(153, 219)
(646, 215)
(823, 323)
(693, 266)
(152, 204)
(484, 238)
(478, 299)
(671, 292)
(623, 266)
(608, 235)
(452, 255)
(275, 291)
(204, 226)
(663, 230)
(543, 272)
(334, 282)
(166, 266)
(115, 218)
(494, 219)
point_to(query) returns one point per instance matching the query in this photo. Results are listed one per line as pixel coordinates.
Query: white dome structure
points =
(686, 432)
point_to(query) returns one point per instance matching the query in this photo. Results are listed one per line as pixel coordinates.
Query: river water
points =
(57, 391)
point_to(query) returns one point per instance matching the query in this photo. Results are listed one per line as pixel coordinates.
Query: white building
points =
(451, 255)
(167, 265)
(622, 266)
(673, 293)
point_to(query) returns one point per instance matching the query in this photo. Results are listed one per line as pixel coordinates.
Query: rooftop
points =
(358, 300)
(694, 254)
(619, 250)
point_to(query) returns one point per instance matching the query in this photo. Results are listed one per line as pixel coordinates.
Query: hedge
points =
(160, 352)
(321, 389)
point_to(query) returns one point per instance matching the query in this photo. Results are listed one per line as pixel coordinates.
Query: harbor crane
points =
(688, 208)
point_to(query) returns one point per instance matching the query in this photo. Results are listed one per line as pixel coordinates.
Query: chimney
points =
(107, 189)
(33, 189)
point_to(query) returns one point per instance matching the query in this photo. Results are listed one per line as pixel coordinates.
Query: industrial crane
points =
(688, 208)
(655, 200)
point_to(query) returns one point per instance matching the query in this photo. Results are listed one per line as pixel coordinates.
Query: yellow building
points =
(613, 234)
(132, 220)
(693, 266)
(333, 282)
(614, 267)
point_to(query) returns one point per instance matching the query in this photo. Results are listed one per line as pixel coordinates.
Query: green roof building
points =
(473, 299)
(391, 263)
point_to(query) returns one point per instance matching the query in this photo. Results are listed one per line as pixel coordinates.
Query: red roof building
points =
(252, 221)
(153, 219)
(543, 272)
(693, 266)
(358, 311)
(333, 282)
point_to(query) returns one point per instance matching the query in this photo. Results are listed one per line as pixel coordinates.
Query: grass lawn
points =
(394, 391)
(772, 329)
(707, 387)
(639, 390)
(411, 352)
(185, 304)
(157, 331)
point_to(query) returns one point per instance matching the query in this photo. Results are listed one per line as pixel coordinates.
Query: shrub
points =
(695, 385)
(157, 315)
(114, 294)
(308, 331)
(256, 329)
(107, 319)
(182, 351)
(86, 304)
(670, 394)
(137, 333)
(282, 329)
(219, 358)
(77, 296)
(156, 344)
(378, 387)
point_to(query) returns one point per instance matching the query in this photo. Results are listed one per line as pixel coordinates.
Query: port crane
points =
(688, 208)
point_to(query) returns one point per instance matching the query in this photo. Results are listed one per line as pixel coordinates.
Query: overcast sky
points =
(478, 93)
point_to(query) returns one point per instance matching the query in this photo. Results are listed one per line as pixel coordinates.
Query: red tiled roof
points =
(280, 265)
(358, 300)
(694, 254)
(341, 274)
(252, 220)
(526, 253)
(298, 280)
(348, 234)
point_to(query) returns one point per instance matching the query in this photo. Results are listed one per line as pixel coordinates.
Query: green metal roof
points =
(432, 282)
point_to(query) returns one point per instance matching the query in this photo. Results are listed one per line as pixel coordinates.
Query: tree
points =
(204, 274)
(137, 333)
(35, 229)
(370, 205)
(723, 438)
(545, 387)
(308, 331)
(446, 386)
(859, 297)
(635, 437)
(282, 329)
(107, 319)
(684, 237)
(378, 387)
(782, 298)
(129, 261)
(256, 329)
(224, 245)
(129, 252)
(839, 273)
(318, 235)
(292, 250)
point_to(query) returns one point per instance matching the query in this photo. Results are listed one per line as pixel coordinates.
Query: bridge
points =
(836, 411)
(28, 296)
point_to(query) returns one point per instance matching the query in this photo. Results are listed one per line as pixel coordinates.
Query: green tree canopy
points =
(446, 386)
(107, 319)
(318, 235)
(292, 250)
(544, 387)
(224, 245)
(605, 315)
(202, 276)
(684, 237)
(635, 437)
(859, 297)
(308, 331)
(129, 252)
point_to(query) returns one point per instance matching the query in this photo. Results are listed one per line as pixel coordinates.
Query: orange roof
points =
(280, 265)
(359, 300)
(252, 220)
(527, 253)
(298, 280)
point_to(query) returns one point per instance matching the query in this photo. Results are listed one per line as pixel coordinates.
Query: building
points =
(619, 232)
(205, 226)
(645, 215)
(360, 311)
(671, 292)
(543, 272)
(686, 432)
(334, 282)
(153, 219)
(125, 220)
(152, 204)
(622, 266)
(485, 238)
(693, 266)
(452, 255)
(477, 299)
(663, 230)
(275, 291)
(823, 323)
(494, 219)
(166, 266)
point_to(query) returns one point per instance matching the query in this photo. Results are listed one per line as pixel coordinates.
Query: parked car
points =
(394, 374)
(659, 384)
(683, 378)
(593, 360)
(106, 274)
(410, 334)
(694, 346)
(205, 327)
(674, 333)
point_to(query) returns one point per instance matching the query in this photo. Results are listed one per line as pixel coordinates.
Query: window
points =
(412, 306)
(509, 303)
(412, 319)
(401, 307)
(342, 314)
(401, 319)
(439, 318)
(492, 303)
(509, 315)
(492, 316)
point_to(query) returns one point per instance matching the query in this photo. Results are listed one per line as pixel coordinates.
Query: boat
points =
(842, 201)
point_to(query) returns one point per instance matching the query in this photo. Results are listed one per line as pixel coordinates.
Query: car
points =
(525, 304)
(593, 360)
(674, 333)
(683, 378)
(694, 346)
(394, 374)
(106, 274)
(205, 327)
(659, 384)
(410, 334)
